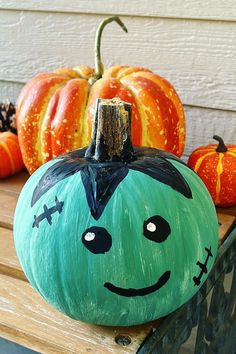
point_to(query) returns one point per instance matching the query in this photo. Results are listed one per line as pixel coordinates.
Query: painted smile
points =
(139, 292)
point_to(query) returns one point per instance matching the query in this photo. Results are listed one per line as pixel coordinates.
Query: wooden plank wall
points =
(191, 43)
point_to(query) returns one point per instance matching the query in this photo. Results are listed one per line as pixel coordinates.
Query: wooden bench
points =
(26, 319)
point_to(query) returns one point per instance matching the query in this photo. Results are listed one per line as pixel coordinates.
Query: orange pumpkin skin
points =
(54, 111)
(10, 155)
(218, 172)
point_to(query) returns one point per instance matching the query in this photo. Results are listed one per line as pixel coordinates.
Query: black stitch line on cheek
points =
(47, 214)
(203, 267)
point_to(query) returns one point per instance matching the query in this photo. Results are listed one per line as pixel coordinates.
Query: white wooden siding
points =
(191, 43)
(195, 9)
(202, 124)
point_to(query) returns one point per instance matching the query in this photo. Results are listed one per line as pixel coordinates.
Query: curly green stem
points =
(98, 61)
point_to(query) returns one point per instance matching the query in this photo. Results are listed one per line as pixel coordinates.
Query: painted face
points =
(100, 251)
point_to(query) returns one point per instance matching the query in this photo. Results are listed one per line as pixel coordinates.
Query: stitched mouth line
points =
(139, 292)
(203, 267)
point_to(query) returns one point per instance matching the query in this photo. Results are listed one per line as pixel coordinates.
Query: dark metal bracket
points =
(211, 311)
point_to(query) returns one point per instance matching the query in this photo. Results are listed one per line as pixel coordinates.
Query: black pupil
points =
(97, 239)
(156, 228)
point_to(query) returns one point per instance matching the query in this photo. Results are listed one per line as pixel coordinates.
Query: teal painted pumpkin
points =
(102, 268)
(116, 243)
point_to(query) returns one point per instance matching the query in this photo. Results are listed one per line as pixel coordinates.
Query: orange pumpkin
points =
(10, 155)
(216, 165)
(54, 110)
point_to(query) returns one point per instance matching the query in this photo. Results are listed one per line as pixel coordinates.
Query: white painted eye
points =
(90, 236)
(151, 227)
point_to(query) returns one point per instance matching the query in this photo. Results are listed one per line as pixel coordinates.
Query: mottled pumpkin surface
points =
(148, 252)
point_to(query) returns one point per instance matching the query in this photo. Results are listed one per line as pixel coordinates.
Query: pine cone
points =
(7, 117)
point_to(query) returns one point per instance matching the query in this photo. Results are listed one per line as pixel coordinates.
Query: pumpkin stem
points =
(111, 134)
(221, 147)
(98, 61)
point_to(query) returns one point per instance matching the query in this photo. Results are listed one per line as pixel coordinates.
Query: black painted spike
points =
(100, 184)
(163, 171)
(101, 180)
(56, 173)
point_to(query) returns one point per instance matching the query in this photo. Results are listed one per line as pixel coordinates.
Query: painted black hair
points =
(100, 180)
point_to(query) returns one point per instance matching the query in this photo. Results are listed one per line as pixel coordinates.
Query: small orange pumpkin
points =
(216, 165)
(55, 110)
(10, 155)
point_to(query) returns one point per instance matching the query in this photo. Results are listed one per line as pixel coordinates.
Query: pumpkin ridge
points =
(201, 159)
(43, 112)
(67, 124)
(219, 170)
(155, 96)
(29, 113)
(130, 70)
(144, 137)
(111, 87)
(170, 93)
(113, 71)
(135, 131)
(38, 79)
(84, 71)
(86, 123)
(46, 127)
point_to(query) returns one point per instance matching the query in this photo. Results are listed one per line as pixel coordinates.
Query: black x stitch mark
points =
(47, 214)
(203, 267)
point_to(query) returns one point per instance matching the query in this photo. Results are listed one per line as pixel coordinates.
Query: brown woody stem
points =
(98, 61)
(221, 147)
(111, 135)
